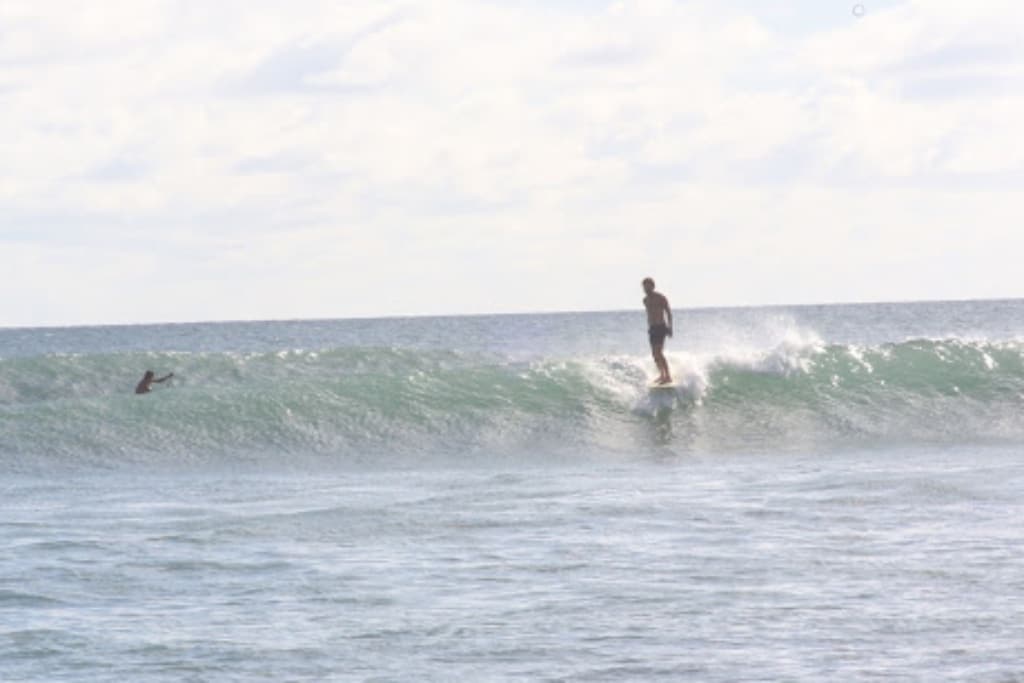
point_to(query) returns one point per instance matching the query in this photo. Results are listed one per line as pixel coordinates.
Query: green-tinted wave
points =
(373, 405)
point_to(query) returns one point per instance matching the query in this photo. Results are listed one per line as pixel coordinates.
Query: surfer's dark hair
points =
(648, 279)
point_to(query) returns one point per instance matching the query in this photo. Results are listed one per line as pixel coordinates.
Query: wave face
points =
(372, 405)
(822, 396)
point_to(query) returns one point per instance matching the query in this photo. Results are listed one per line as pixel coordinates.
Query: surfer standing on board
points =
(659, 326)
(143, 387)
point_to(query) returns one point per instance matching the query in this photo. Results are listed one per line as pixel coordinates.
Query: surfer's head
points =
(648, 284)
(149, 375)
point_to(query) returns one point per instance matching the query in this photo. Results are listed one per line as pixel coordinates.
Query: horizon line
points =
(406, 316)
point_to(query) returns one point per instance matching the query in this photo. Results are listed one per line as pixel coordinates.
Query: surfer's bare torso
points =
(657, 309)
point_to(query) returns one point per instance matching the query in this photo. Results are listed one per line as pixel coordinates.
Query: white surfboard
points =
(654, 386)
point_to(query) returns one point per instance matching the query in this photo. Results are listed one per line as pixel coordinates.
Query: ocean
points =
(831, 493)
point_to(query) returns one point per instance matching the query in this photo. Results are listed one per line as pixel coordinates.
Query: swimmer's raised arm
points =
(149, 378)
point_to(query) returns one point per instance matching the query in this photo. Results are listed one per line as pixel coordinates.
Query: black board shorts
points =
(657, 334)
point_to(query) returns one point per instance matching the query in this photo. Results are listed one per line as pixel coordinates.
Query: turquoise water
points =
(831, 493)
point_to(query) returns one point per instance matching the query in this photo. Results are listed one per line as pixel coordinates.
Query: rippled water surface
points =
(830, 494)
(904, 566)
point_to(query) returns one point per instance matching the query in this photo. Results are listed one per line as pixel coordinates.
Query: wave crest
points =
(370, 405)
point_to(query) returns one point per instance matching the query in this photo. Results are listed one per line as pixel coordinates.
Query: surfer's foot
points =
(664, 380)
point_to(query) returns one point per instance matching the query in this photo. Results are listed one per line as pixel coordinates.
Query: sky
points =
(184, 160)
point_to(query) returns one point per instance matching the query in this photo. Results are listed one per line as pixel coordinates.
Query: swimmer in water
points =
(143, 387)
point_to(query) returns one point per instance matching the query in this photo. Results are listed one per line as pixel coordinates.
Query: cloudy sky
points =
(173, 160)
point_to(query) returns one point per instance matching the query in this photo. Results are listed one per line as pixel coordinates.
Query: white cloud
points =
(471, 156)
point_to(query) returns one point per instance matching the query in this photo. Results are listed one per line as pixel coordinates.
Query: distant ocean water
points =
(833, 492)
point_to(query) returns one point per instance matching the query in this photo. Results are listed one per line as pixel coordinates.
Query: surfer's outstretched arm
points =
(168, 376)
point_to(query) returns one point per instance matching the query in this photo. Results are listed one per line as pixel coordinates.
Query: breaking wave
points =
(371, 405)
